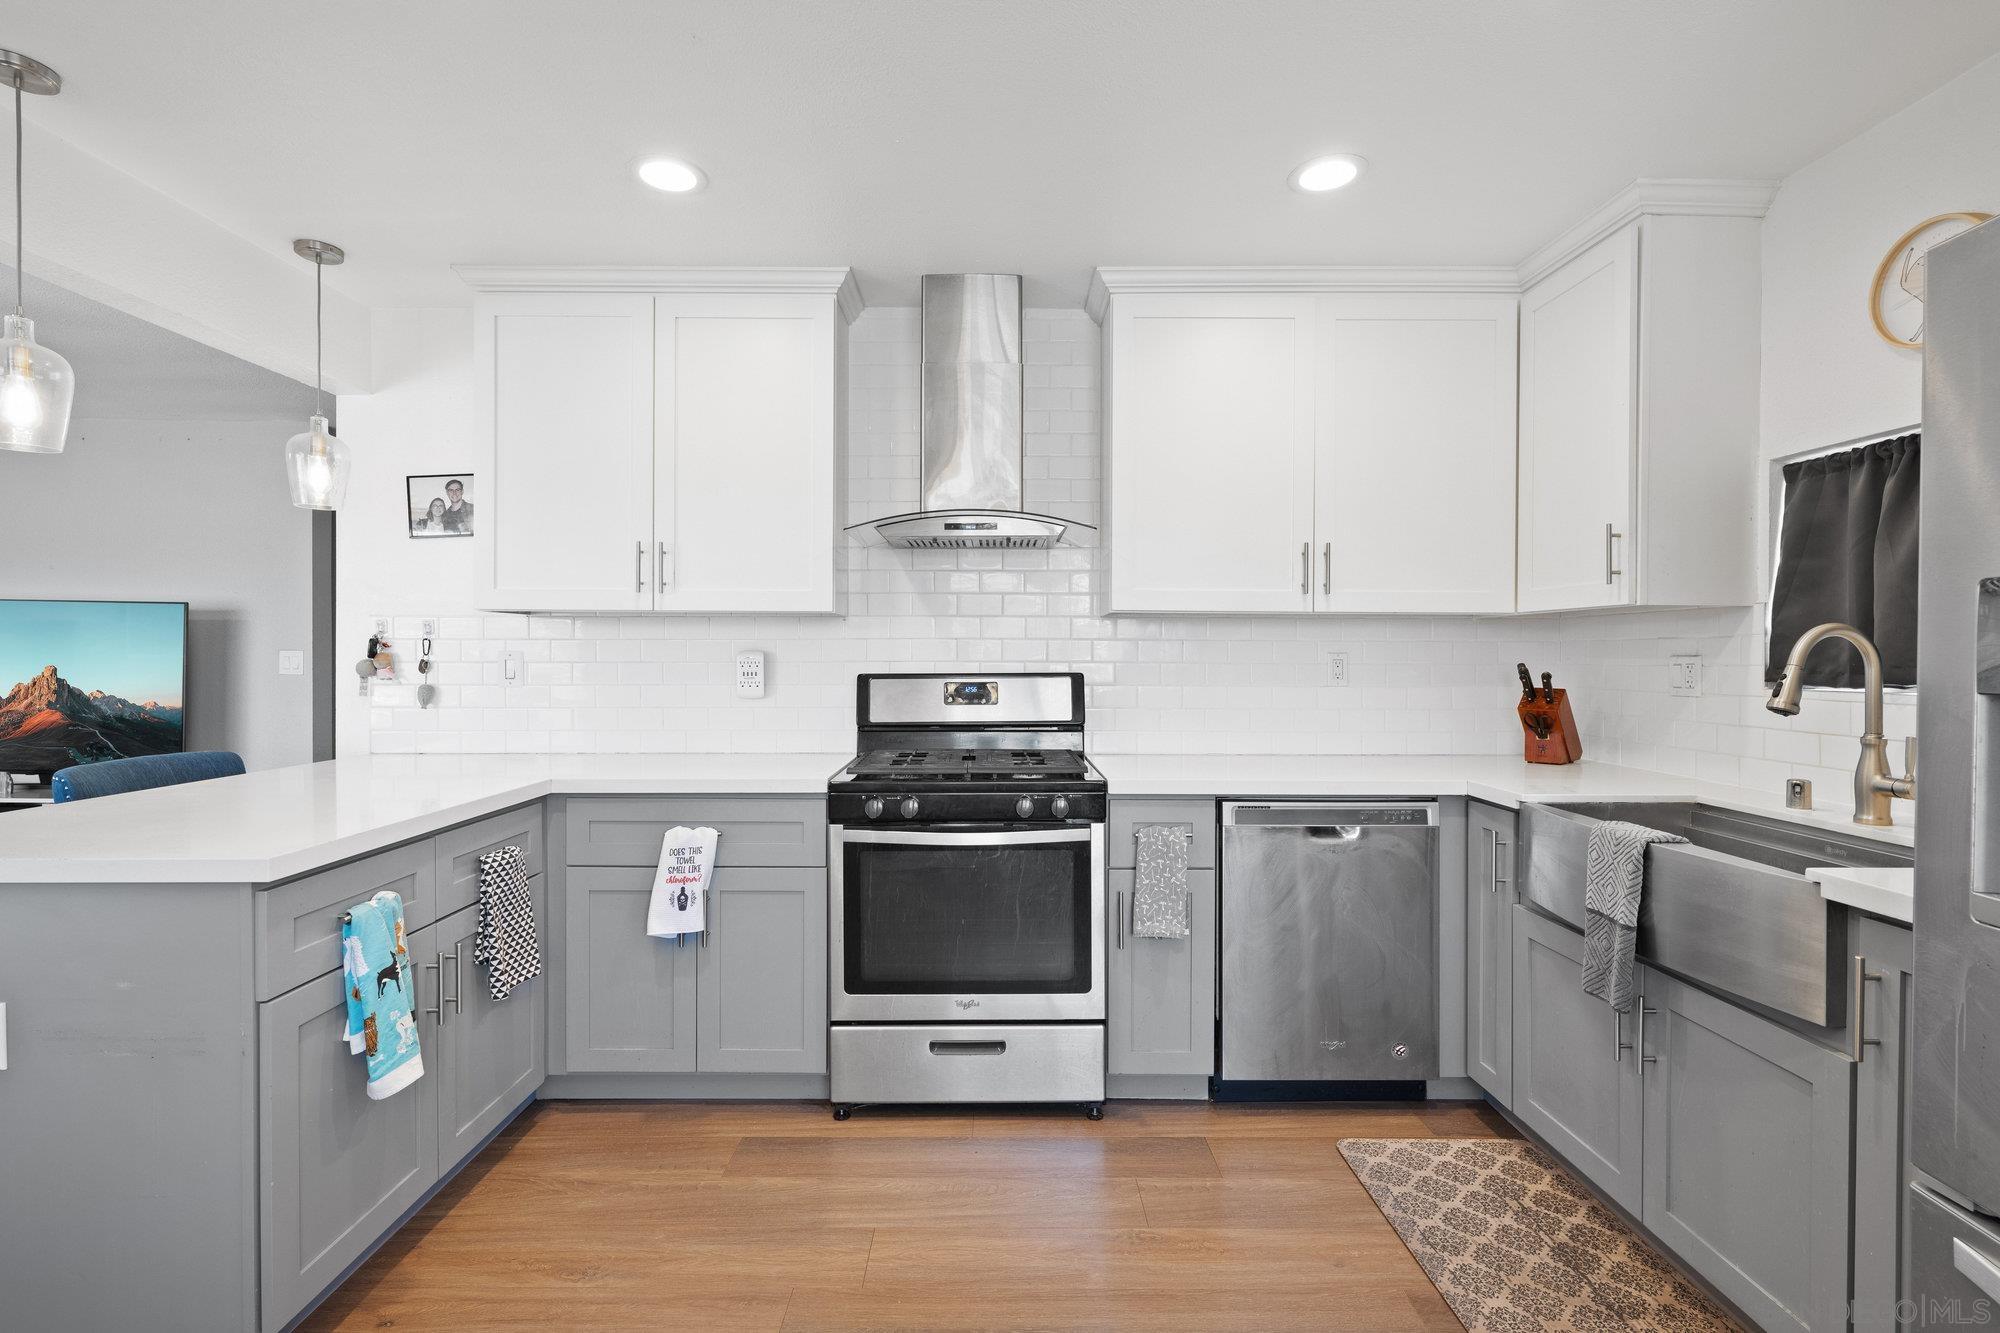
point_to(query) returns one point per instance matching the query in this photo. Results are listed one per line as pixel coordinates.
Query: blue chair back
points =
(81, 782)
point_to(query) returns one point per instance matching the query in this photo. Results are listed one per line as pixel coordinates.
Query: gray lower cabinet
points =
(490, 1056)
(1747, 1133)
(1489, 949)
(338, 1168)
(761, 973)
(628, 998)
(1576, 1080)
(1882, 1176)
(1161, 993)
(749, 996)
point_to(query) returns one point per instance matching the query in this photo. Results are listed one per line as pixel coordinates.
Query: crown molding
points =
(1354, 278)
(835, 282)
(1649, 195)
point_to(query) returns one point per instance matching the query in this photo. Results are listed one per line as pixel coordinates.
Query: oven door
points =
(977, 926)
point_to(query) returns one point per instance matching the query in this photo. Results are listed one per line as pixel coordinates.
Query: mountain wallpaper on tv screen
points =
(89, 681)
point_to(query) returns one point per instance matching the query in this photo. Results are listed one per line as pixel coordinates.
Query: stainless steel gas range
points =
(967, 876)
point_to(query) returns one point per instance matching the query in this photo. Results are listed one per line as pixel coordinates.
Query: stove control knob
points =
(1059, 807)
(1025, 807)
(909, 807)
(872, 807)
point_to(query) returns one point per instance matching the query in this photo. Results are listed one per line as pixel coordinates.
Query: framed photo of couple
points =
(441, 506)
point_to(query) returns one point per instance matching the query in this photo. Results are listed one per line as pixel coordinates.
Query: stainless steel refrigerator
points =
(1954, 1236)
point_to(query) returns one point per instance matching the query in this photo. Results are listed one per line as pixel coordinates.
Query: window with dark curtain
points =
(1847, 551)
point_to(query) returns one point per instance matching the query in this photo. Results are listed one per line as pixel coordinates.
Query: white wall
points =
(181, 511)
(1828, 377)
(418, 421)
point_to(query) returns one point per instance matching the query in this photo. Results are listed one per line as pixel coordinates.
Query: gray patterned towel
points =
(1160, 895)
(507, 941)
(1614, 886)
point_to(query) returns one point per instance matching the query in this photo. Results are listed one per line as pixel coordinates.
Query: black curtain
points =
(1848, 551)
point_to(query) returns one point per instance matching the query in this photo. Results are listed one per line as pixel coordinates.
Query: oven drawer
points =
(968, 1062)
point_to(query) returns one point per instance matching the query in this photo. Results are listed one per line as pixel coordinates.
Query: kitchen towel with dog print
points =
(381, 994)
(680, 887)
(506, 942)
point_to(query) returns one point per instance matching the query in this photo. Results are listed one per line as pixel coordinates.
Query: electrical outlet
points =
(430, 627)
(1336, 668)
(1684, 675)
(291, 662)
(381, 627)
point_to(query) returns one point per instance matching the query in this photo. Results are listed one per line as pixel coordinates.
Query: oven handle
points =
(1012, 838)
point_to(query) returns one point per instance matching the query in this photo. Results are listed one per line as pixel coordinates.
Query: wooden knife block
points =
(1562, 744)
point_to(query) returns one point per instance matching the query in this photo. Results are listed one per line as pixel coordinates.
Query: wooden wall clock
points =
(1896, 297)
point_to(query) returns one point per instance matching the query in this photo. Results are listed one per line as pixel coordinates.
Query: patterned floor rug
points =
(1517, 1246)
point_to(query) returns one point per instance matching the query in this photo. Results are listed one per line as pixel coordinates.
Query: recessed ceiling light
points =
(671, 174)
(1327, 173)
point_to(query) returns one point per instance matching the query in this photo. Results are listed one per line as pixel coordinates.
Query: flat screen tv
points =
(84, 681)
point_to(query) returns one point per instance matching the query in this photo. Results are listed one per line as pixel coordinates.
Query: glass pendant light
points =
(36, 384)
(314, 460)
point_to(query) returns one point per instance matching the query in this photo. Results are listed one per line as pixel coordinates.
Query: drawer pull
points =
(968, 1048)
(1976, 1268)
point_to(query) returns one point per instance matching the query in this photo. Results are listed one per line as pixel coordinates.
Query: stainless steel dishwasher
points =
(1329, 941)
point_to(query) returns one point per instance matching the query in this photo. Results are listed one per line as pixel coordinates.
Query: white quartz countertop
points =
(278, 823)
(282, 822)
(1885, 892)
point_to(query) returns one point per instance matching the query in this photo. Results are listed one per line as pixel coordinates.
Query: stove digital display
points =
(972, 692)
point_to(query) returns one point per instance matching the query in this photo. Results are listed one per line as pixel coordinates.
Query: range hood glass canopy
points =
(972, 453)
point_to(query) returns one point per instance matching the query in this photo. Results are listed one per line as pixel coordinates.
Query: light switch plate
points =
(510, 665)
(1684, 675)
(291, 662)
(750, 674)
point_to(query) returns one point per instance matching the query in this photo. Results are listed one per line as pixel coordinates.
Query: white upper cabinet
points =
(1415, 460)
(745, 409)
(565, 395)
(662, 439)
(1639, 414)
(1210, 457)
(1579, 387)
(1317, 449)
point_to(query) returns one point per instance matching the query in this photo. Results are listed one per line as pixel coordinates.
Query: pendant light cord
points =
(19, 268)
(319, 335)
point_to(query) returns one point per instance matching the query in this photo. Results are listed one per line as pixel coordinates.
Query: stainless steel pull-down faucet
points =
(1874, 786)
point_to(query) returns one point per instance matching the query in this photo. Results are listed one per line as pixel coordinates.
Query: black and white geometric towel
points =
(506, 941)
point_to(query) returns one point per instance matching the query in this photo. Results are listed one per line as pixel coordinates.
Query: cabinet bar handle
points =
(1644, 1058)
(707, 918)
(1857, 1011)
(1492, 859)
(438, 1008)
(1618, 1043)
(663, 569)
(1305, 567)
(638, 566)
(1611, 537)
(1118, 911)
(1326, 584)
(1500, 848)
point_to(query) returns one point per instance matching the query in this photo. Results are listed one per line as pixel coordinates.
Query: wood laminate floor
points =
(772, 1216)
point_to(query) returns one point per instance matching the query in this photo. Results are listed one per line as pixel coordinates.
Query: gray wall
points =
(182, 511)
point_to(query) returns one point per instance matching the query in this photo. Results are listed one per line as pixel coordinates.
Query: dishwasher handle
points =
(1341, 818)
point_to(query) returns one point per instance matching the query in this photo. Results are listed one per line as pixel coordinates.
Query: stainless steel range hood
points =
(972, 459)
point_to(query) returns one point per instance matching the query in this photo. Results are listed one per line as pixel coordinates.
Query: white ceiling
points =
(129, 369)
(905, 136)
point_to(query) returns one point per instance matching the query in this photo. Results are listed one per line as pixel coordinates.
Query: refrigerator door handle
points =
(1976, 1268)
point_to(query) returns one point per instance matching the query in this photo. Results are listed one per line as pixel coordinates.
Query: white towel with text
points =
(680, 887)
